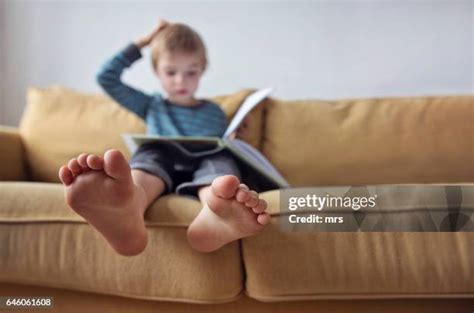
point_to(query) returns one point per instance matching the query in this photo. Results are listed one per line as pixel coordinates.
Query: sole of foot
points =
(102, 191)
(232, 212)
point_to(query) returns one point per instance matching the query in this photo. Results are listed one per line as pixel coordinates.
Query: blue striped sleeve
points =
(109, 78)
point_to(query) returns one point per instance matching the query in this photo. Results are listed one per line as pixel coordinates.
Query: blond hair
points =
(177, 38)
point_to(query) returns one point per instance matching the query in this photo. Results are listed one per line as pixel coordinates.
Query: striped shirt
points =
(162, 117)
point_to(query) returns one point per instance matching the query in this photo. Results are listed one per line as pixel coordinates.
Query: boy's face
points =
(179, 74)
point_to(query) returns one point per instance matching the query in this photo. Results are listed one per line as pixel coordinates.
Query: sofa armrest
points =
(12, 155)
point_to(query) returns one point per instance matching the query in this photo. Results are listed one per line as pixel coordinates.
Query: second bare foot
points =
(232, 211)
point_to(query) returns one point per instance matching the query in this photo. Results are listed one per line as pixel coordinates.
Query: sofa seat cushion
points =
(284, 264)
(43, 242)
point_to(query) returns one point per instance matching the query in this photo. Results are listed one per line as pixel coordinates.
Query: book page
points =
(255, 158)
(249, 103)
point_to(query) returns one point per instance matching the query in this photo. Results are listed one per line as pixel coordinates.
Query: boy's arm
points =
(109, 78)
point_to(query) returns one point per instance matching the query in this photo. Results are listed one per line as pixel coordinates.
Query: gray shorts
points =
(183, 174)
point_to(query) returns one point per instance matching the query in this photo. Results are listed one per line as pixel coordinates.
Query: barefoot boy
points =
(113, 195)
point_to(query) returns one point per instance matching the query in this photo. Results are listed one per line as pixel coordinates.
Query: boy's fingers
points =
(162, 24)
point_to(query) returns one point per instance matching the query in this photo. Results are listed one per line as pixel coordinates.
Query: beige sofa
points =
(48, 250)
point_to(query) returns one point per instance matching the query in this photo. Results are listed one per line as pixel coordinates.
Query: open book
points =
(252, 163)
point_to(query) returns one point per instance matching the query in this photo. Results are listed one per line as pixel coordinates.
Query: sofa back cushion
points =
(371, 141)
(59, 123)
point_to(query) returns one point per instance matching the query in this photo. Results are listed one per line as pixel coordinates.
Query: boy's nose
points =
(179, 78)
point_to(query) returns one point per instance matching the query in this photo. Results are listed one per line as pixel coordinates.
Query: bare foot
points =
(102, 191)
(232, 212)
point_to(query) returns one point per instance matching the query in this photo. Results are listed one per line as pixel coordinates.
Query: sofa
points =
(46, 249)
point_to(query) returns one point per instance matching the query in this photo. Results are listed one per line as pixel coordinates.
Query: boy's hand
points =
(146, 40)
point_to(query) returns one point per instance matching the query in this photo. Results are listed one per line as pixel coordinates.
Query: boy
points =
(113, 195)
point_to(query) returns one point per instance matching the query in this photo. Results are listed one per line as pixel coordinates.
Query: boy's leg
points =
(152, 185)
(111, 197)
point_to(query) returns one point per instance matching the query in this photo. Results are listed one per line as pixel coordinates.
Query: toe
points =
(253, 201)
(225, 186)
(244, 187)
(82, 160)
(95, 162)
(260, 207)
(242, 195)
(116, 166)
(74, 166)
(65, 175)
(263, 219)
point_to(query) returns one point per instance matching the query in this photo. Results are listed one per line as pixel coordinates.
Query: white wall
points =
(318, 49)
(2, 62)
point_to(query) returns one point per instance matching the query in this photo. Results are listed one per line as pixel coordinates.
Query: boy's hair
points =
(174, 38)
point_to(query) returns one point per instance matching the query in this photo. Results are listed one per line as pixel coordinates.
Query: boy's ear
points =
(155, 68)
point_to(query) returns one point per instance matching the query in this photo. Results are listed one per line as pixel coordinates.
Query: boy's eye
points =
(192, 73)
(171, 73)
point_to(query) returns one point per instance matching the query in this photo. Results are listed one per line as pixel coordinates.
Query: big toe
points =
(225, 186)
(116, 166)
